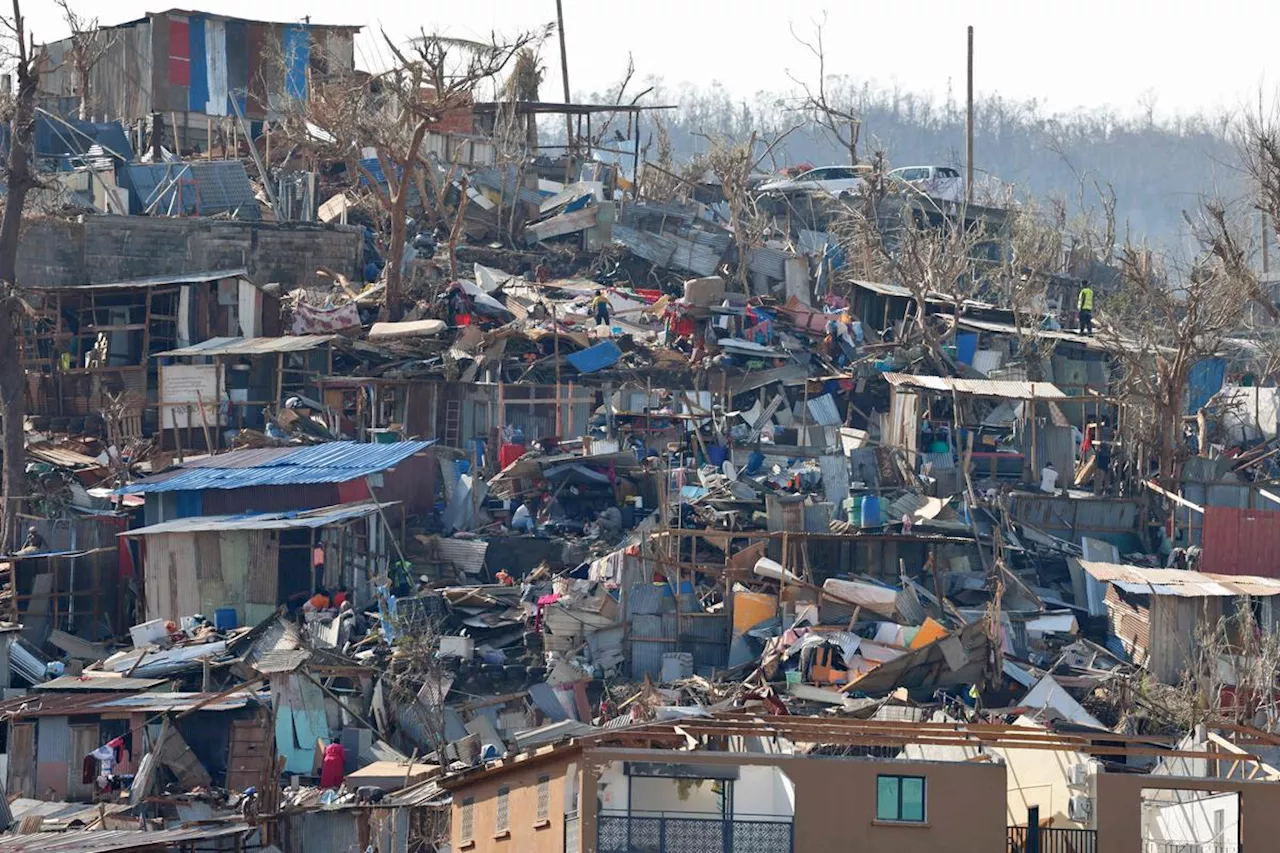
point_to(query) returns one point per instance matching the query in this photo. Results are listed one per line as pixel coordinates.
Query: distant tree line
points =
(1157, 167)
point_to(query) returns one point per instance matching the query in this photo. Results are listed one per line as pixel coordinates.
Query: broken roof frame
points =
(997, 388)
(686, 736)
(238, 346)
(312, 519)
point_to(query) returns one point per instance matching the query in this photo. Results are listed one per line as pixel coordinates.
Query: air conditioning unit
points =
(1080, 809)
(1079, 776)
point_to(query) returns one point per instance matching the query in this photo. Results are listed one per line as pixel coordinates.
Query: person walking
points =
(1084, 306)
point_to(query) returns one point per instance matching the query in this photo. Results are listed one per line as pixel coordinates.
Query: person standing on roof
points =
(1084, 306)
(600, 307)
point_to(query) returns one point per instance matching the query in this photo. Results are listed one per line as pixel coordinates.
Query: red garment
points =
(334, 767)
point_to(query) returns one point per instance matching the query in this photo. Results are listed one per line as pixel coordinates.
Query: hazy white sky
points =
(1090, 53)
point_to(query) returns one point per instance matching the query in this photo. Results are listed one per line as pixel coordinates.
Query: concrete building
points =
(765, 784)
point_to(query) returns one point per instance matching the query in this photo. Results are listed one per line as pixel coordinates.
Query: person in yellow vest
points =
(600, 307)
(1084, 306)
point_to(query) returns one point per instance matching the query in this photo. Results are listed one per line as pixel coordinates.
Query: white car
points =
(831, 180)
(912, 174)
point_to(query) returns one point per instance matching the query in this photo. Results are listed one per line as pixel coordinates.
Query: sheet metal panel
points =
(1241, 541)
(179, 50)
(53, 748)
(198, 73)
(236, 36)
(979, 387)
(215, 39)
(296, 42)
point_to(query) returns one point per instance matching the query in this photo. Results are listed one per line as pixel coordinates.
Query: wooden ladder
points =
(452, 422)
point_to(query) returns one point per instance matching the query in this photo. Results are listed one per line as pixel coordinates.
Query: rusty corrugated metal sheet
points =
(1241, 541)
(1180, 582)
(263, 575)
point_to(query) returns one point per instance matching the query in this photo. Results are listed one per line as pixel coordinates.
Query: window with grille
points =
(466, 831)
(502, 813)
(900, 798)
(544, 798)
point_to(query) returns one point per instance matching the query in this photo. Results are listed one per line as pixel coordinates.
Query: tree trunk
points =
(399, 207)
(395, 255)
(20, 181)
(83, 112)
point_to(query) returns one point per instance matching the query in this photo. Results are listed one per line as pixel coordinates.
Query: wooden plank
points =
(22, 760)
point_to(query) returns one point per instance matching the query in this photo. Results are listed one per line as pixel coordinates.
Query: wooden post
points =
(1035, 467)
(555, 328)
(968, 180)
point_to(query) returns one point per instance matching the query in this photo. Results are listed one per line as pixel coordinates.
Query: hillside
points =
(1157, 168)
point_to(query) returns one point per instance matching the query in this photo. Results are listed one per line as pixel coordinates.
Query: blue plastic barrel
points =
(224, 618)
(870, 511)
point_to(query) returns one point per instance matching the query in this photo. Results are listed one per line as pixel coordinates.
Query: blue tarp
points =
(1205, 380)
(595, 358)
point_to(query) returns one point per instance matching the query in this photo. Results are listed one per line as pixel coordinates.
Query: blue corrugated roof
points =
(332, 462)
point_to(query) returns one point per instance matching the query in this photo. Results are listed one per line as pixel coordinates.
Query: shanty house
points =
(194, 66)
(253, 563)
(50, 736)
(229, 382)
(89, 348)
(1157, 617)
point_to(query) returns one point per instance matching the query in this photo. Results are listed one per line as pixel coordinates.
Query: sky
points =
(1176, 56)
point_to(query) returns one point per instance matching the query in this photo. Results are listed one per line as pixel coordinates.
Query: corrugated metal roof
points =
(306, 519)
(112, 840)
(101, 683)
(60, 456)
(884, 288)
(282, 660)
(1179, 582)
(71, 704)
(152, 281)
(979, 387)
(332, 462)
(824, 411)
(251, 346)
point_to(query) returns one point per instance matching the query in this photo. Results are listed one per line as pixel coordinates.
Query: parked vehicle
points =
(831, 180)
(913, 174)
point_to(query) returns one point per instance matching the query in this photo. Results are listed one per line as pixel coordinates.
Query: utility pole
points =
(1266, 254)
(564, 73)
(968, 180)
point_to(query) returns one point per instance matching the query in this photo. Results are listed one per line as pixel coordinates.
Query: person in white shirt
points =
(1048, 478)
(522, 518)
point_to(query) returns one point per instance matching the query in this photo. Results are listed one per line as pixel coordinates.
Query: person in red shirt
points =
(334, 767)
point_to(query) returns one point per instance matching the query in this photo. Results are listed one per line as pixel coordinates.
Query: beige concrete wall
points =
(1118, 807)
(836, 802)
(525, 832)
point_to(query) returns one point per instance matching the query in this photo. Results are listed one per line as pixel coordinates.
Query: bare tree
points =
(89, 43)
(1160, 323)
(391, 113)
(20, 179)
(921, 243)
(839, 122)
(733, 164)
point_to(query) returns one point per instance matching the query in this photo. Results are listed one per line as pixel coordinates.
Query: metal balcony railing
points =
(667, 832)
(1024, 839)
